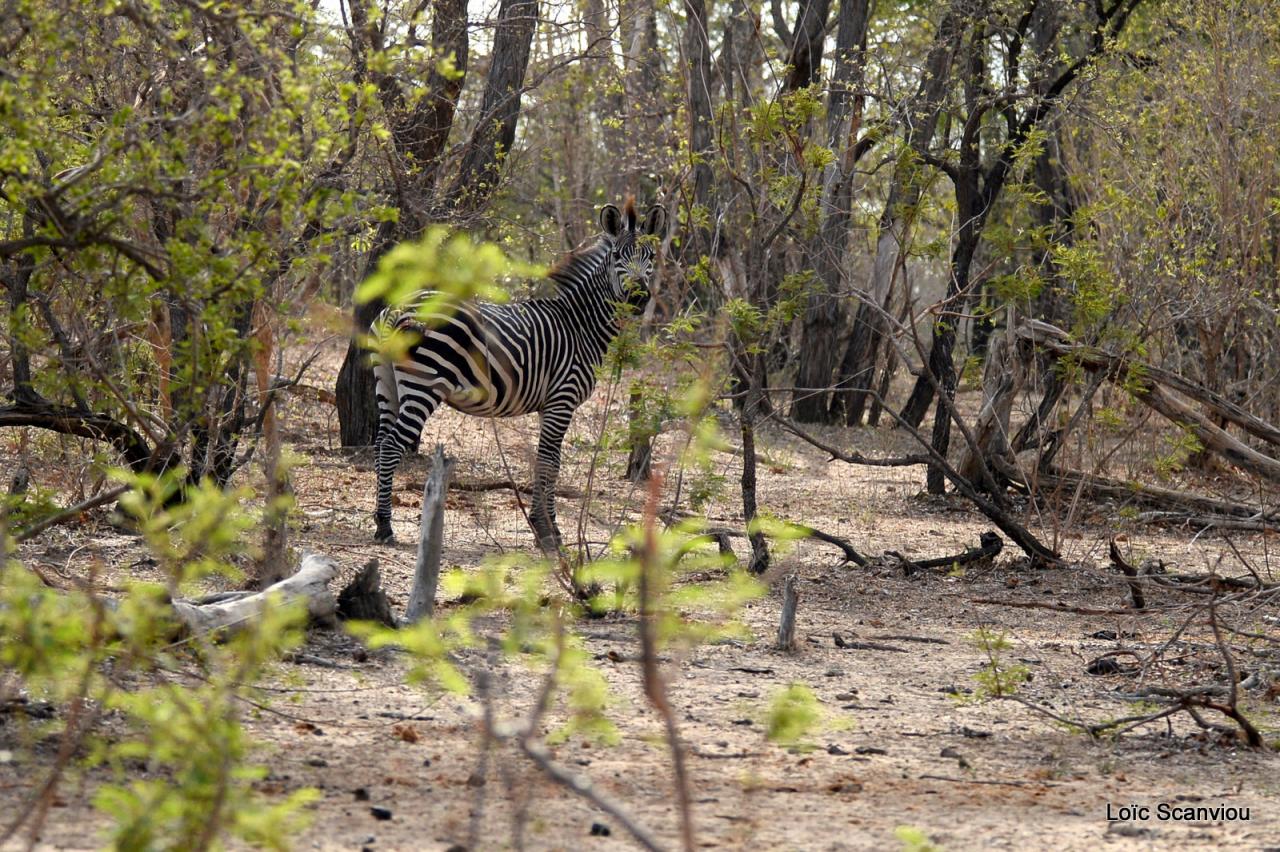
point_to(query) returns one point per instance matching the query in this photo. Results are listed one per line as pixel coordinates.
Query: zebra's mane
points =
(579, 265)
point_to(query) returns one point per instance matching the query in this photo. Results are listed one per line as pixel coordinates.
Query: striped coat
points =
(538, 355)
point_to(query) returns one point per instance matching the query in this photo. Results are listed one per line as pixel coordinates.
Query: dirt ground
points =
(899, 745)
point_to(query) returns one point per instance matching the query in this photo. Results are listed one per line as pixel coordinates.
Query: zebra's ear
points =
(655, 221)
(610, 220)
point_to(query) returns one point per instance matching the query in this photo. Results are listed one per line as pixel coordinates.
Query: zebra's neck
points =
(582, 282)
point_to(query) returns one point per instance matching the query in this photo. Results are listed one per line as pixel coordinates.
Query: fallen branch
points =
(850, 555)
(128, 442)
(1104, 488)
(364, 600)
(1144, 382)
(1039, 553)
(309, 584)
(989, 546)
(482, 485)
(855, 645)
(1077, 610)
(1058, 341)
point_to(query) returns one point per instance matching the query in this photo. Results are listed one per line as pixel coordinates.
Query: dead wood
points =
(364, 600)
(1002, 380)
(855, 645)
(1254, 524)
(850, 555)
(1145, 382)
(1104, 488)
(482, 485)
(989, 546)
(426, 572)
(902, 637)
(1056, 607)
(309, 584)
(1135, 588)
(787, 620)
(1039, 553)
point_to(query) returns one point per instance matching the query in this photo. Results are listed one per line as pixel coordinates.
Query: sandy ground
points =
(898, 746)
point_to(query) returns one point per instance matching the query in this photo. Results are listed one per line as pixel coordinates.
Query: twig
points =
(582, 787)
(980, 781)
(654, 686)
(1077, 610)
(989, 546)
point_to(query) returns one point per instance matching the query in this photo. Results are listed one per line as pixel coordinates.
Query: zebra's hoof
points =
(384, 535)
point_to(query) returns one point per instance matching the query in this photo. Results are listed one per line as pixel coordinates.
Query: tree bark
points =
(420, 135)
(807, 43)
(495, 130)
(697, 48)
(787, 620)
(819, 342)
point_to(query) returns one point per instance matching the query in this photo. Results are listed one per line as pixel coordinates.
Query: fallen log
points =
(989, 546)
(1144, 381)
(310, 584)
(364, 600)
(1104, 488)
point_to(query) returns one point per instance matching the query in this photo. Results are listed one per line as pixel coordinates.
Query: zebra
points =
(537, 355)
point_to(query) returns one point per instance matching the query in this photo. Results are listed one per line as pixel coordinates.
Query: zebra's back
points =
(494, 360)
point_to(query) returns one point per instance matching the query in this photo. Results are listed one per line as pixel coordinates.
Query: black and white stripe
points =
(495, 360)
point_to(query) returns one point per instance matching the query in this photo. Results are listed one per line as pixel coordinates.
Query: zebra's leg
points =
(546, 470)
(388, 396)
(416, 405)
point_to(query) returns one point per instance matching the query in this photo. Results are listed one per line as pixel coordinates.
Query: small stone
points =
(361, 794)
(317, 761)
(599, 829)
(382, 814)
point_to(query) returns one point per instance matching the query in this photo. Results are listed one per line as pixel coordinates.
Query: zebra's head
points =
(632, 246)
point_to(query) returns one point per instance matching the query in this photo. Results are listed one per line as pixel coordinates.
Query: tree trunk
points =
(697, 243)
(1002, 381)
(640, 434)
(819, 342)
(857, 367)
(495, 130)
